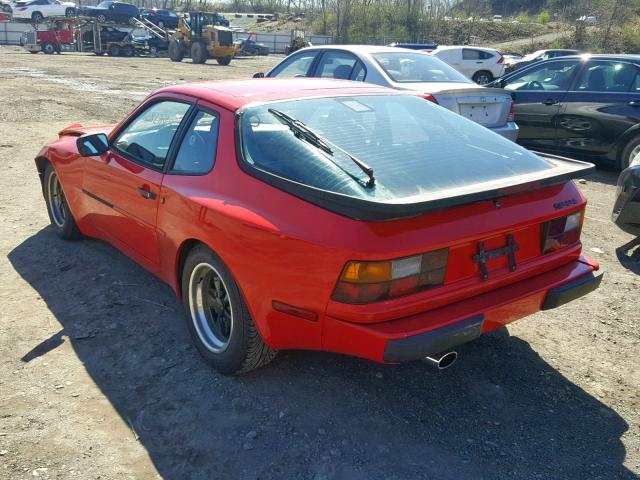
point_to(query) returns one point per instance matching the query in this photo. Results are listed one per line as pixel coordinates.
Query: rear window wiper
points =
(301, 131)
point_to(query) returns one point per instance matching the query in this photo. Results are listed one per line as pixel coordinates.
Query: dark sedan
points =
(113, 12)
(586, 106)
(626, 211)
(162, 17)
(541, 55)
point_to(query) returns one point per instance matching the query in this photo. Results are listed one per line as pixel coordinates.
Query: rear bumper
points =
(509, 131)
(438, 330)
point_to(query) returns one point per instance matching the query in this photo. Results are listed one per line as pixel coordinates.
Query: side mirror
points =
(92, 144)
(258, 75)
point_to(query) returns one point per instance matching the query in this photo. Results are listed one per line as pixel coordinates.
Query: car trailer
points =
(64, 34)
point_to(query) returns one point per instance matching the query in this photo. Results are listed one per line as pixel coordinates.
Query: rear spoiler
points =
(370, 211)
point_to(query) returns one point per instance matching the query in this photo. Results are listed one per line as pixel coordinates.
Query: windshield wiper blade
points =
(300, 130)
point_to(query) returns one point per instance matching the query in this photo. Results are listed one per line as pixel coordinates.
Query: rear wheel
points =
(224, 60)
(101, 18)
(176, 51)
(198, 52)
(69, 12)
(37, 17)
(160, 24)
(114, 51)
(48, 48)
(127, 51)
(61, 218)
(482, 77)
(631, 150)
(217, 316)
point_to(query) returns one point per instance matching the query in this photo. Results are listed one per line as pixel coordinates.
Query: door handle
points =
(144, 193)
(634, 103)
(550, 101)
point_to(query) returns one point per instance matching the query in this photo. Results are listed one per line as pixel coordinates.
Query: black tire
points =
(628, 153)
(114, 51)
(224, 60)
(132, 20)
(482, 77)
(33, 52)
(48, 48)
(127, 51)
(59, 214)
(101, 18)
(244, 349)
(199, 53)
(37, 17)
(99, 53)
(176, 51)
(160, 24)
(69, 12)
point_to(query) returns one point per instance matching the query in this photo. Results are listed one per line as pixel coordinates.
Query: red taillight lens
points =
(366, 282)
(561, 232)
(512, 112)
(501, 59)
(431, 98)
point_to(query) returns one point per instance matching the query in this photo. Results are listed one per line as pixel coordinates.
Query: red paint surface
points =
(280, 248)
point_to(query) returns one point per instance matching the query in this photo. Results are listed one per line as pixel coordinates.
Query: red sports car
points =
(322, 214)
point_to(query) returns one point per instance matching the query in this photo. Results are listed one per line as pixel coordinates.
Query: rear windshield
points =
(410, 67)
(417, 150)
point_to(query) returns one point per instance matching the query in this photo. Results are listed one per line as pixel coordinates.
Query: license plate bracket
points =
(484, 255)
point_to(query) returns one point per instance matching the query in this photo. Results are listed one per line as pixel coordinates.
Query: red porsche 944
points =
(323, 214)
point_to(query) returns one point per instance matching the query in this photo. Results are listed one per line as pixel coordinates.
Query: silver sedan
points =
(404, 69)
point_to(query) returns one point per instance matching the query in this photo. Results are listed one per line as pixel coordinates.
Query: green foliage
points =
(523, 18)
(543, 17)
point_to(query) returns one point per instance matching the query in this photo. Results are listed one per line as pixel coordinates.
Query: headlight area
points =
(367, 282)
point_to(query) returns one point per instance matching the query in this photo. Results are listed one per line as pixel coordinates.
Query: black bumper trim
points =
(572, 290)
(435, 341)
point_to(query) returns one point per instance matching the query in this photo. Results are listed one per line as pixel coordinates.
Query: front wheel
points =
(224, 60)
(199, 52)
(218, 318)
(482, 77)
(176, 51)
(114, 51)
(61, 218)
(48, 48)
(101, 18)
(69, 12)
(630, 152)
(37, 17)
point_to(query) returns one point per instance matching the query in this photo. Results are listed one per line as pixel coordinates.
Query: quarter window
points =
(296, 66)
(148, 137)
(608, 77)
(197, 152)
(472, 54)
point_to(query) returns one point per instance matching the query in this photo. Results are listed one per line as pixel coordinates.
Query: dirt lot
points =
(98, 379)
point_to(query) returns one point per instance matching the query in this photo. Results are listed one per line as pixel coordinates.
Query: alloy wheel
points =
(57, 200)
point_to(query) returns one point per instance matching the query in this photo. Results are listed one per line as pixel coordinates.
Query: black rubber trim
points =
(435, 341)
(572, 290)
(96, 197)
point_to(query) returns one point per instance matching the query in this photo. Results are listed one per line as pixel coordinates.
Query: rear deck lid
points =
(387, 156)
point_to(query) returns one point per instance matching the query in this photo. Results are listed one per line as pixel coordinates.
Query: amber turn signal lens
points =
(366, 282)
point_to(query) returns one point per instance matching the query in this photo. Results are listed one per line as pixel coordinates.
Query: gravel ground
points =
(98, 379)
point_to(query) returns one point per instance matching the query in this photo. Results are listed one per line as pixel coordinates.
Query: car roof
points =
(359, 48)
(235, 94)
(455, 47)
(598, 56)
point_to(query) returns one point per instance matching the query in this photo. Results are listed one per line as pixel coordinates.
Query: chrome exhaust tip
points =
(442, 360)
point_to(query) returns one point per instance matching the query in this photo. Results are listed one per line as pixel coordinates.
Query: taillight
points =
(366, 282)
(512, 112)
(431, 98)
(561, 232)
(501, 60)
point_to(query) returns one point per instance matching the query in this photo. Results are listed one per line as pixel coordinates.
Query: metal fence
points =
(279, 41)
(10, 32)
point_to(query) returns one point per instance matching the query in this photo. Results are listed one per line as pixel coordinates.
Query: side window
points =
(295, 66)
(359, 73)
(471, 54)
(551, 76)
(607, 77)
(148, 137)
(197, 152)
(336, 65)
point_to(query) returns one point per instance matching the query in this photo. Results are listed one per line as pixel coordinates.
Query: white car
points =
(404, 69)
(482, 65)
(37, 10)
